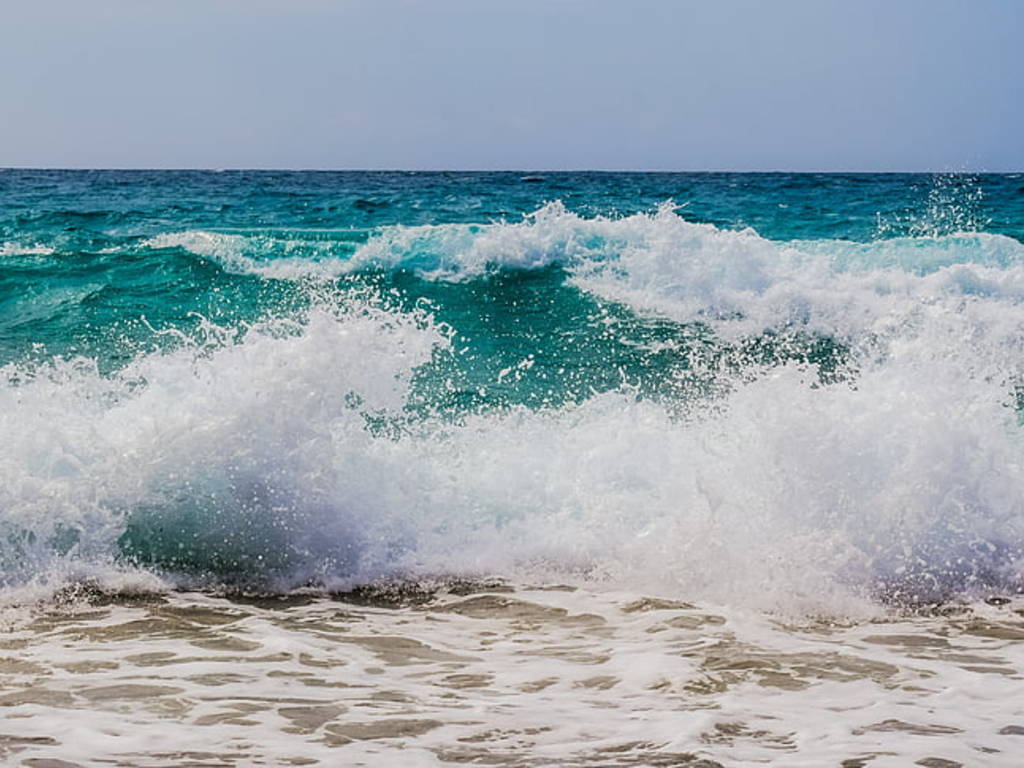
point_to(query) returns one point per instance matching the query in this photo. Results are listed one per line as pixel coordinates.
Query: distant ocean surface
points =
(782, 397)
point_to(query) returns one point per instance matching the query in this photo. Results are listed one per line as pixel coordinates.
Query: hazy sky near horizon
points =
(871, 85)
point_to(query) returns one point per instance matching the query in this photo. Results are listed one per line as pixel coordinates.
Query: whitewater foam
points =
(284, 457)
(214, 442)
(287, 452)
(661, 263)
(506, 676)
(286, 257)
(20, 249)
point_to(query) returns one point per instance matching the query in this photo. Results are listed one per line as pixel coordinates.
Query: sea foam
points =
(283, 457)
(285, 454)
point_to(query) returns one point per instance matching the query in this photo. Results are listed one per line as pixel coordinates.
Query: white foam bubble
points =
(20, 249)
(660, 263)
(281, 258)
(283, 450)
(737, 280)
(539, 676)
(273, 456)
(200, 431)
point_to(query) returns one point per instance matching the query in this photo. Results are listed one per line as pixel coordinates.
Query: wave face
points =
(794, 392)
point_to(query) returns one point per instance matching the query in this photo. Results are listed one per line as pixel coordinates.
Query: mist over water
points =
(789, 392)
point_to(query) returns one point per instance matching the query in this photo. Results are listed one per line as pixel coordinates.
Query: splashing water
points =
(664, 398)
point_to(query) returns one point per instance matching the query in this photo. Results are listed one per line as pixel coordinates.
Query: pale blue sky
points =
(524, 84)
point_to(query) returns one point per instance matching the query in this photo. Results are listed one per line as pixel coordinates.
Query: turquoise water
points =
(84, 264)
(287, 378)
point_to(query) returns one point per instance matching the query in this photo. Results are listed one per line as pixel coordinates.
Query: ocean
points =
(516, 469)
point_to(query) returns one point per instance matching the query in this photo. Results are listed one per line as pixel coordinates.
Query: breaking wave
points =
(287, 452)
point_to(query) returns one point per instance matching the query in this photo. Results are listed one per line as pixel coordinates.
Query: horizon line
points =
(243, 169)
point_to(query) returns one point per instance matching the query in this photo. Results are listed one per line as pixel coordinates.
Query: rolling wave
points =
(290, 451)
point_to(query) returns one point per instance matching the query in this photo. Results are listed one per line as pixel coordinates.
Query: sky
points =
(802, 85)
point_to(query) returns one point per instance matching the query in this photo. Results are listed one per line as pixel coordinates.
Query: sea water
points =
(508, 468)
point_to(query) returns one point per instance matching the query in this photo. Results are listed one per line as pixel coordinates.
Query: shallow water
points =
(496, 675)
